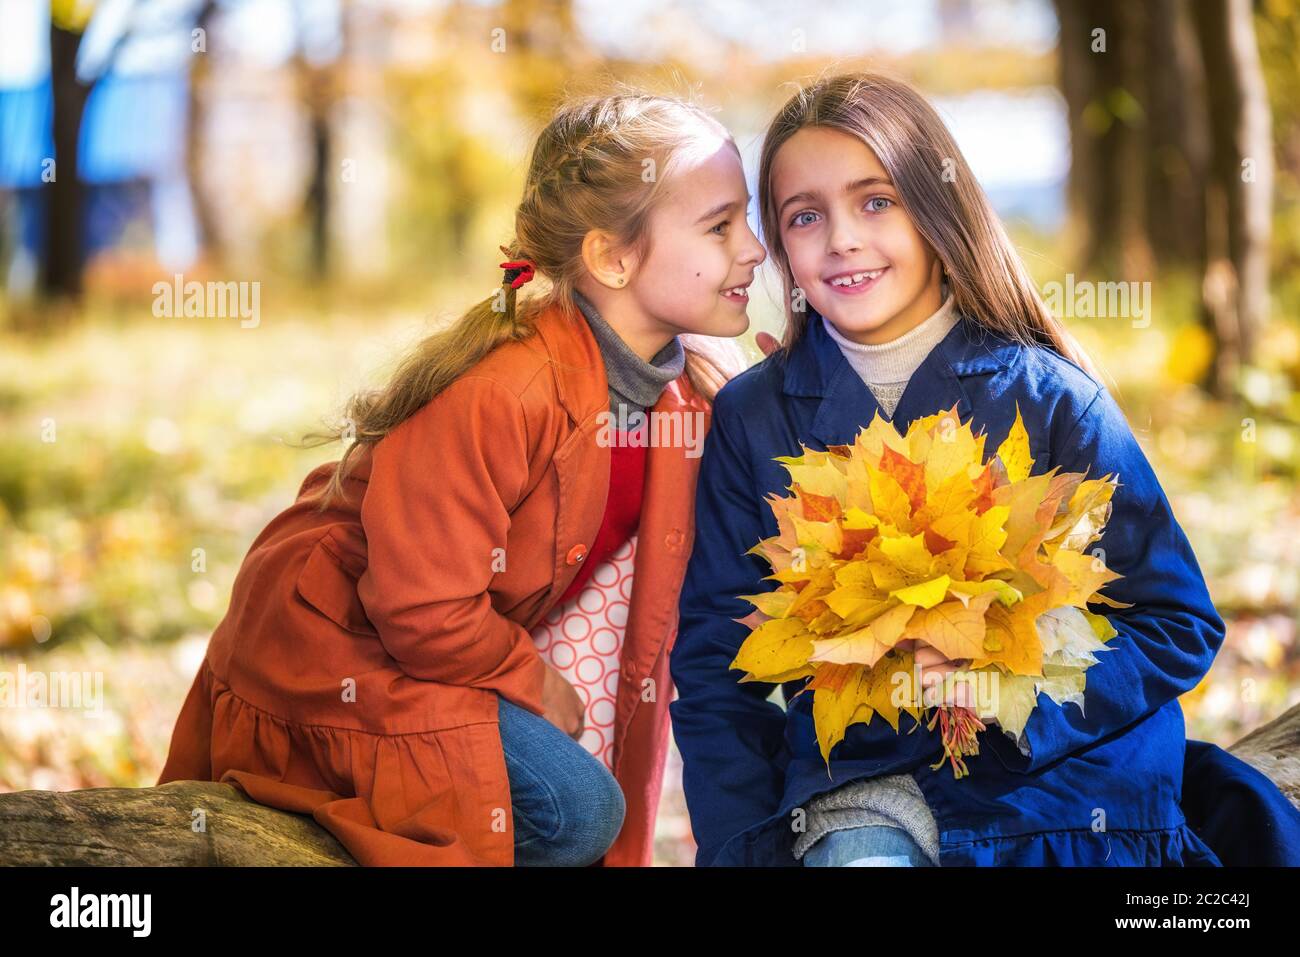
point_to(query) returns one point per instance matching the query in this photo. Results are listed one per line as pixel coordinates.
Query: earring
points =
(621, 280)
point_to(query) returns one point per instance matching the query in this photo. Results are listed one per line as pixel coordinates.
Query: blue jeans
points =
(567, 807)
(872, 845)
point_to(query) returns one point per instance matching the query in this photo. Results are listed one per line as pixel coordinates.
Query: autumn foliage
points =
(898, 542)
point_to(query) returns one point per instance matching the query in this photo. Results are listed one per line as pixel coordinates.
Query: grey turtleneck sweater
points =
(634, 383)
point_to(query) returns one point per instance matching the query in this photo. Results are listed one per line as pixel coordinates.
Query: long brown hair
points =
(945, 202)
(587, 171)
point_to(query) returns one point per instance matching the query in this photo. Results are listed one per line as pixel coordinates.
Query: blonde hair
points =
(587, 171)
(985, 273)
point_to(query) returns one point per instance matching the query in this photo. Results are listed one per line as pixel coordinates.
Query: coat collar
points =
(816, 368)
(579, 369)
(582, 386)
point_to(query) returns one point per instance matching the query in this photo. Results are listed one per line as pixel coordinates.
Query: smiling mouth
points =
(736, 294)
(856, 281)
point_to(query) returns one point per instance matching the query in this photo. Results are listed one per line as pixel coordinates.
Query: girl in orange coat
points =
(403, 642)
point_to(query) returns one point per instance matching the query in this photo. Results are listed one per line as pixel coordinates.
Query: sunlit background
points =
(361, 160)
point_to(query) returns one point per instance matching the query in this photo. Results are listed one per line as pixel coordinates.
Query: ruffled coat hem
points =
(1171, 847)
(389, 799)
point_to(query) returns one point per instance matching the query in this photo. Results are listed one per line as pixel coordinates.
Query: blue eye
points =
(879, 199)
(796, 221)
(721, 225)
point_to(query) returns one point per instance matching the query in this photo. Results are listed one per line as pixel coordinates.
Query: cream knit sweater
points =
(886, 368)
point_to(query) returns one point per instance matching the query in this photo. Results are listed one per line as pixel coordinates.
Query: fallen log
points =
(1274, 749)
(186, 823)
(206, 824)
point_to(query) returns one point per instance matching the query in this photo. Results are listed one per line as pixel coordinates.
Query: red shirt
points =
(622, 509)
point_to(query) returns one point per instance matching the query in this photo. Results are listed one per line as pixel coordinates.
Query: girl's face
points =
(852, 247)
(702, 252)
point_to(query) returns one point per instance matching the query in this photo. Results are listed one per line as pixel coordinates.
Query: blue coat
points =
(1100, 789)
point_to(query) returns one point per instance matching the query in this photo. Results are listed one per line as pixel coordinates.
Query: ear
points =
(606, 261)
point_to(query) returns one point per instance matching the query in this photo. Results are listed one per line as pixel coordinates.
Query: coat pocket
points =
(326, 585)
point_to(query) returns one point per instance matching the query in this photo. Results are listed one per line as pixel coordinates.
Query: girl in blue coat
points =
(904, 298)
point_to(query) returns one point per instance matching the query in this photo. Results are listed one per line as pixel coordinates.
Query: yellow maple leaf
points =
(889, 502)
(1014, 450)
(954, 628)
(926, 594)
(865, 646)
(775, 651)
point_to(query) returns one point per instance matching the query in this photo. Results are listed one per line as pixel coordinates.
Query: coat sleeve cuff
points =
(1040, 736)
(522, 681)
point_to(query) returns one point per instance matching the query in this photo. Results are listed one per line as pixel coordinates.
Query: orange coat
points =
(355, 675)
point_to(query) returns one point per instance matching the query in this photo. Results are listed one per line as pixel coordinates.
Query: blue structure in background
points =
(131, 161)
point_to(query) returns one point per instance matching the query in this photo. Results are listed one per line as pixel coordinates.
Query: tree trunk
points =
(63, 261)
(1240, 193)
(1177, 149)
(1101, 74)
(200, 80)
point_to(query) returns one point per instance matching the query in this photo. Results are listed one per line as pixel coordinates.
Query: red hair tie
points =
(518, 271)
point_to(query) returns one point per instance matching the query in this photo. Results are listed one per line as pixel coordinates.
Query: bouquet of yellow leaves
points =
(896, 543)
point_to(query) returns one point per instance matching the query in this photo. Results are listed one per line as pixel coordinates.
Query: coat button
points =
(576, 554)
